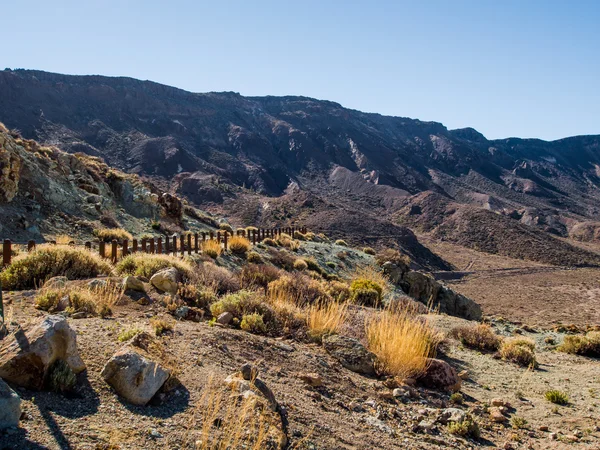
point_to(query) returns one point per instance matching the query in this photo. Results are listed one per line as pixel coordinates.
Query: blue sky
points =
(524, 68)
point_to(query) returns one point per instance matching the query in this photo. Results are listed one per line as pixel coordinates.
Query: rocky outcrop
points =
(10, 407)
(440, 375)
(134, 373)
(10, 169)
(424, 288)
(350, 353)
(26, 356)
(166, 280)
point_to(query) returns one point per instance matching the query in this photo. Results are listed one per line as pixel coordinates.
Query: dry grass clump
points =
(222, 421)
(341, 242)
(586, 345)
(286, 241)
(110, 234)
(253, 257)
(80, 299)
(369, 251)
(479, 337)
(338, 290)
(394, 256)
(147, 264)
(196, 295)
(300, 265)
(226, 227)
(219, 279)
(298, 289)
(212, 248)
(239, 245)
(520, 351)
(161, 326)
(29, 270)
(258, 275)
(324, 319)
(402, 343)
(270, 242)
(282, 259)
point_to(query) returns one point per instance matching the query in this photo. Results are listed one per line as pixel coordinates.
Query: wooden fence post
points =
(203, 236)
(102, 249)
(6, 252)
(225, 240)
(174, 245)
(253, 237)
(135, 246)
(144, 245)
(182, 244)
(167, 245)
(196, 243)
(158, 245)
(88, 246)
(125, 248)
(113, 254)
(212, 235)
(189, 244)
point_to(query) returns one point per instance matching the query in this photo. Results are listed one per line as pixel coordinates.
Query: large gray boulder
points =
(26, 356)
(350, 353)
(10, 407)
(166, 280)
(133, 373)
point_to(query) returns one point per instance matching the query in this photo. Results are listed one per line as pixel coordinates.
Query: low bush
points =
(219, 279)
(341, 242)
(457, 398)
(128, 333)
(212, 248)
(110, 234)
(520, 351)
(518, 423)
(479, 337)
(586, 345)
(467, 427)
(401, 343)
(61, 377)
(147, 264)
(314, 266)
(365, 292)
(557, 397)
(338, 290)
(369, 251)
(31, 269)
(253, 323)
(161, 326)
(239, 245)
(300, 265)
(253, 257)
(282, 259)
(245, 303)
(298, 289)
(196, 295)
(393, 256)
(258, 275)
(286, 241)
(324, 319)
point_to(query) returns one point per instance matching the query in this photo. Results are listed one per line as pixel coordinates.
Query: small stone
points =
(356, 407)
(553, 436)
(496, 415)
(544, 428)
(452, 415)
(498, 402)
(508, 446)
(571, 438)
(463, 374)
(248, 371)
(97, 284)
(155, 434)
(133, 284)
(312, 379)
(225, 318)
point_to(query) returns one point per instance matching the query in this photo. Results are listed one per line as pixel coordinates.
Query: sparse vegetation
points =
(467, 427)
(146, 265)
(110, 234)
(32, 269)
(520, 351)
(243, 303)
(253, 323)
(226, 227)
(325, 319)
(456, 399)
(479, 337)
(298, 289)
(161, 326)
(60, 377)
(518, 423)
(367, 287)
(128, 333)
(401, 343)
(557, 397)
(393, 256)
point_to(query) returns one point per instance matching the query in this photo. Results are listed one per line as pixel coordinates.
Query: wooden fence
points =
(186, 243)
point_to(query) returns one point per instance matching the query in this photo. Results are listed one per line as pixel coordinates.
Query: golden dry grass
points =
(239, 245)
(212, 248)
(97, 301)
(401, 342)
(110, 234)
(325, 319)
(147, 264)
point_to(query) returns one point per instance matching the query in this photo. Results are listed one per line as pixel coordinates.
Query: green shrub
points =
(557, 397)
(30, 270)
(127, 334)
(147, 264)
(518, 423)
(313, 266)
(369, 251)
(338, 291)
(331, 264)
(60, 377)
(366, 292)
(341, 242)
(457, 398)
(253, 323)
(161, 326)
(467, 427)
(48, 300)
(242, 303)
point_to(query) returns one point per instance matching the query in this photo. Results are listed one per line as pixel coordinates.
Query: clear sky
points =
(524, 68)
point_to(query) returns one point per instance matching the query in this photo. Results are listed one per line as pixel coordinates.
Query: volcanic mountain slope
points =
(219, 147)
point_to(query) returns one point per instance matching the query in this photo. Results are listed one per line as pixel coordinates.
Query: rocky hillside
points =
(221, 149)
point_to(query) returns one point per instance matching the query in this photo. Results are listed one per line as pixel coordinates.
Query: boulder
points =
(225, 318)
(452, 415)
(133, 373)
(56, 283)
(440, 375)
(392, 271)
(166, 280)
(350, 353)
(26, 356)
(172, 205)
(131, 283)
(10, 407)
(10, 171)
(247, 380)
